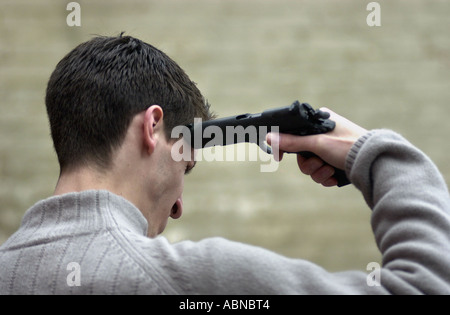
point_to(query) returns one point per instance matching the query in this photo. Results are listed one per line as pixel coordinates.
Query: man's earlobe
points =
(152, 126)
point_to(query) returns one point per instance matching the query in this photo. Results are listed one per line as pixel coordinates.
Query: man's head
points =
(97, 89)
(112, 103)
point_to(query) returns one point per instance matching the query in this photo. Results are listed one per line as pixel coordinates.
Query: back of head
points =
(98, 88)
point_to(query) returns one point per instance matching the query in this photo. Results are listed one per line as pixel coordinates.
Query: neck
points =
(120, 182)
(80, 179)
(129, 175)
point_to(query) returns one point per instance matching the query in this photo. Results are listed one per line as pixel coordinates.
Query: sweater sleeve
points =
(411, 212)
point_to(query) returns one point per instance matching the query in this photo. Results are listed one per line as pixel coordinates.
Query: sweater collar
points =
(87, 210)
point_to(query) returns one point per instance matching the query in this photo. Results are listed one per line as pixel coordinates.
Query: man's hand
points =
(331, 147)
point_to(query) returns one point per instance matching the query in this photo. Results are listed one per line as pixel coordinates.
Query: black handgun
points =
(297, 119)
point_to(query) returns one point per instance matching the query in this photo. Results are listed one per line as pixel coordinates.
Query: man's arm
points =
(411, 211)
(410, 220)
(405, 190)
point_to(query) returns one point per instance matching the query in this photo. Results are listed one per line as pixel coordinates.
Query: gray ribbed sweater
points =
(94, 242)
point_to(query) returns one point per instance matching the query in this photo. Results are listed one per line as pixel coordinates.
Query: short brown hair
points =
(98, 88)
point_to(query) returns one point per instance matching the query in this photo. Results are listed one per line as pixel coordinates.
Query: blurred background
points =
(246, 56)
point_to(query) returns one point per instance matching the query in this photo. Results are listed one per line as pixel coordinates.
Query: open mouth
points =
(177, 209)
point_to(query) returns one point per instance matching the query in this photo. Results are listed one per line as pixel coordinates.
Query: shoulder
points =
(220, 266)
(210, 266)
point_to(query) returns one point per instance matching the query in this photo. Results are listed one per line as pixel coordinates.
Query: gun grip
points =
(339, 174)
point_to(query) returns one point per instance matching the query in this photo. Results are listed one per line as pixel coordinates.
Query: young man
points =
(112, 103)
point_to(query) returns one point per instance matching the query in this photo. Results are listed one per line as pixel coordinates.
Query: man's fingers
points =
(291, 143)
(320, 172)
(332, 148)
(309, 166)
(323, 174)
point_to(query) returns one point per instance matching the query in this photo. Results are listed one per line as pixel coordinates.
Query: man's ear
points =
(153, 126)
